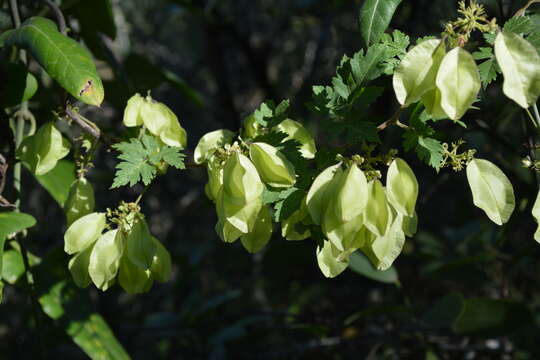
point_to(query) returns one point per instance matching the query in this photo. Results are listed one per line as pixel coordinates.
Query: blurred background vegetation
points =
(463, 288)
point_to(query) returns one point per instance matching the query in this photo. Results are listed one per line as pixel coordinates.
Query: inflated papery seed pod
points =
(41, 151)
(214, 169)
(376, 213)
(458, 81)
(158, 119)
(78, 267)
(161, 262)
(273, 167)
(132, 278)
(401, 187)
(416, 73)
(257, 238)
(288, 226)
(210, 142)
(520, 64)
(316, 196)
(350, 194)
(410, 224)
(80, 201)
(140, 246)
(387, 247)
(536, 216)
(84, 232)
(105, 259)
(491, 190)
(242, 182)
(432, 102)
(250, 128)
(332, 261)
(298, 132)
(243, 217)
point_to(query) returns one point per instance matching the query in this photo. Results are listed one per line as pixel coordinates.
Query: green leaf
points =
(520, 65)
(63, 58)
(375, 16)
(458, 81)
(489, 70)
(58, 181)
(444, 311)
(519, 25)
(12, 222)
(360, 264)
(491, 190)
(12, 266)
(72, 310)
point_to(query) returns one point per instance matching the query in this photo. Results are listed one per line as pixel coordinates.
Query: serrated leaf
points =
(483, 53)
(375, 16)
(63, 58)
(519, 25)
(488, 71)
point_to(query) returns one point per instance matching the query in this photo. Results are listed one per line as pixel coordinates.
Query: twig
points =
(393, 120)
(89, 129)
(521, 11)
(59, 16)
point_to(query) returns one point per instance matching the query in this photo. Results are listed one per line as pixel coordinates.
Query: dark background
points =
(213, 62)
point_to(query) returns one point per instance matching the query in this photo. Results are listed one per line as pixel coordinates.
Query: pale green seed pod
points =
(332, 262)
(432, 102)
(298, 132)
(242, 181)
(256, 239)
(416, 73)
(520, 64)
(42, 150)
(225, 230)
(410, 224)
(315, 199)
(288, 230)
(491, 190)
(78, 267)
(536, 216)
(273, 167)
(161, 263)
(242, 217)
(210, 142)
(388, 247)
(401, 187)
(215, 179)
(80, 201)
(250, 127)
(364, 238)
(83, 232)
(341, 234)
(350, 194)
(140, 247)
(132, 115)
(376, 213)
(105, 259)
(458, 80)
(132, 278)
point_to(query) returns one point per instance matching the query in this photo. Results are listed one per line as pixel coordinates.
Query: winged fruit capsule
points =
(272, 165)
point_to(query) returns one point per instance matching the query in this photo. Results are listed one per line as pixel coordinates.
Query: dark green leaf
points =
(63, 58)
(12, 266)
(19, 84)
(375, 16)
(488, 71)
(444, 311)
(360, 264)
(519, 25)
(12, 222)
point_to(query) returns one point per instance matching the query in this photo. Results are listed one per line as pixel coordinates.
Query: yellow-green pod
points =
(242, 217)
(520, 65)
(80, 201)
(432, 102)
(491, 190)
(161, 263)
(250, 127)
(410, 224)
(315, 199)
(105, 259)
(140, 247)
(162, 122)
(388, 247)
(83, 232)
(376, 213)
(350, 194)
(288, 230)
(132, 115)
(42, 150)
(210, 142)
(341, 234)
(257, 238)
(416, 73)
(132, 278)
(332, 262)
(458, 80)
(242, 182)
(298, 132)
(272, 165)
(401, 187)
(78, 267)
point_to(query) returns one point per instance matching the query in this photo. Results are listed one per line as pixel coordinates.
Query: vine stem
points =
(17, 182)
(394, 120)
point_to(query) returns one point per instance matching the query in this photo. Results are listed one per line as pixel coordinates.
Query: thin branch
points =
(93, 131)
(394, 120)
(59, 16)
(521, 11)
